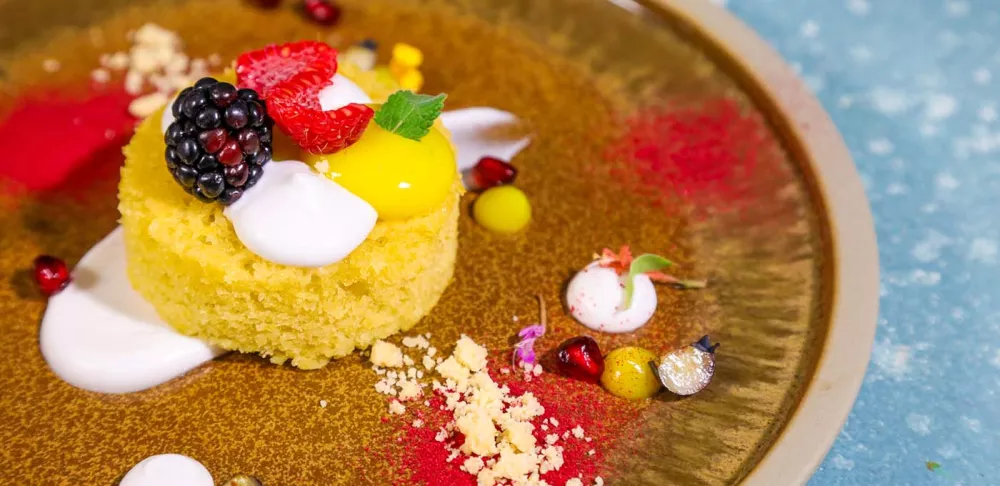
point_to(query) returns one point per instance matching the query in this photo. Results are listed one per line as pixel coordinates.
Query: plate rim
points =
(818, 417)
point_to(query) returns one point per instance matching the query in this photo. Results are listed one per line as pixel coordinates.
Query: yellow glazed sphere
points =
(628, 374)
(502, 209)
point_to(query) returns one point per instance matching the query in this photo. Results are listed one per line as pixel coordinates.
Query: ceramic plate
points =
(669, 127)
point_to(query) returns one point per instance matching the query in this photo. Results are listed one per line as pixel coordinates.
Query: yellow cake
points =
(185, 259)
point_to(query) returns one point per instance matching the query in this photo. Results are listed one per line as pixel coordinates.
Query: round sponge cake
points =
(186, 260)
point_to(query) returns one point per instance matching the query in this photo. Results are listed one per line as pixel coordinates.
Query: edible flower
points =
(524, 350)
(646, 264)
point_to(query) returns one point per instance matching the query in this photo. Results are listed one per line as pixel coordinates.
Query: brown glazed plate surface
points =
(758, 194)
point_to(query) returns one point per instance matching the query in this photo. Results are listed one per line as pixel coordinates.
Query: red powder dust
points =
(603, 417)
(52, 142)
(703, 154)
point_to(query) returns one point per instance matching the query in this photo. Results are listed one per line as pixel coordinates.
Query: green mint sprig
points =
(410, 115)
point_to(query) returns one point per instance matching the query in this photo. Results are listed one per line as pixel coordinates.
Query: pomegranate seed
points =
(322, 11)
(491, 172)
(580, 358)
(51, 274)
(231, 153)
(212, 140)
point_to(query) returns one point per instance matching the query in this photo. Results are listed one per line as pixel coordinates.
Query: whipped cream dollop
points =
(596, 295)
(474, 134)
(295, 216)
(168, 470)
(100, 335)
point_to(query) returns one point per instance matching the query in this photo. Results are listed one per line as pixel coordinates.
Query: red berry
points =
(212, 140)
(580, 358)
(294, 105)
(51, 274)
(322, 12)
(231, 153)
(263, 69)
(491, 171)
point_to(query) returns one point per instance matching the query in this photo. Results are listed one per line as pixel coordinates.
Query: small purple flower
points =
(524, 350)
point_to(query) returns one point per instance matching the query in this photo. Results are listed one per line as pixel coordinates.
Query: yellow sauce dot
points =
(412, 80)
(628, 374)
(405, 56)
(502, 209)
(399, 177)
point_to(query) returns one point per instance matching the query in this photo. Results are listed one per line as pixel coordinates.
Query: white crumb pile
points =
(500, 447)
(154, 68)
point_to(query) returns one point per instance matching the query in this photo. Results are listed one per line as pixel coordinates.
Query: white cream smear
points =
(596, 294)
(295, 216)
(168, 470)
(100, 335)
(471, 130)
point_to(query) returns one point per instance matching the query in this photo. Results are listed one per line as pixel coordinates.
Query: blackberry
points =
(219, 141)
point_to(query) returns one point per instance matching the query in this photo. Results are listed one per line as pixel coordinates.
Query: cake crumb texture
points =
(186, 260)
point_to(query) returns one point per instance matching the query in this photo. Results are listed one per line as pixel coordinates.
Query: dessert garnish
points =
(628, 373)
(243, 480)
(405, 66)
(502, 209)
(646, 264)
(290, 78)
(480, 131)
(263, 69)
(489, 172)
(168, 469)
(580, 358)
(688, 370)
(323, 12)
(410, 115)
(219, 140)
(524, 350)
(615, 293)
(361, 54)
(50, 274)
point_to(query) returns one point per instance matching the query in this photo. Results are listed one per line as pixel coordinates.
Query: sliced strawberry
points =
(294, 105)
(263, 69)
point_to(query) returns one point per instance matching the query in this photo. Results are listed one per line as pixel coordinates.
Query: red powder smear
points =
(603, 417)
(51, 141)
(702, 154)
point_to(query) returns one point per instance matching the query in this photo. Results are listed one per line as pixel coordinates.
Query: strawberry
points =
(263, 69)
(294, 105)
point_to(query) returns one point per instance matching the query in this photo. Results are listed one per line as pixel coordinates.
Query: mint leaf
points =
(642, 264)
(408, 114)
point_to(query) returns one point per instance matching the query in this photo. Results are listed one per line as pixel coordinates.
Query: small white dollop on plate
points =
(471, 130)
(100, 335)
(295, 216)
(596, 294)
(168, 470)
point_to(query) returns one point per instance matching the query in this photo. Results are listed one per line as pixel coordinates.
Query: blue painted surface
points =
(914, 87)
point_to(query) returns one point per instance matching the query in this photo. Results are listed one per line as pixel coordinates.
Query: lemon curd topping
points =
(399, 177)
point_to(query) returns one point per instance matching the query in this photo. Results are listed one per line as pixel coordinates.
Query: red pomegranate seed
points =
(212, 140)
(322, 11)
(580, 358)
(491, 171)
(51, 274)
(231, 153)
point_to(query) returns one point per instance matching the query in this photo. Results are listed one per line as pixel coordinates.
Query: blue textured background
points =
(913, 86)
